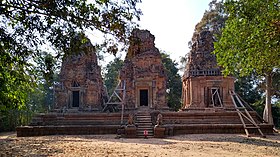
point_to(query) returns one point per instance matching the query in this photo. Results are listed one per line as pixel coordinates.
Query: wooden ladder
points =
(239, 106)
(116, 99)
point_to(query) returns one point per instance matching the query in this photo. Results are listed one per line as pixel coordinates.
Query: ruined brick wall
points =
(202, 76)
(143, 69)
(201, 61)
(80, 81)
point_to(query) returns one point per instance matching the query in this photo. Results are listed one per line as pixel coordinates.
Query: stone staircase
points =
(144, 122)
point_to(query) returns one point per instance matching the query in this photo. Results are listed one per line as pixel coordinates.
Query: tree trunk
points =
(267, 113)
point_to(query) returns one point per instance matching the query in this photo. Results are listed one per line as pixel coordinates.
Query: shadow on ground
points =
(39, 146)
(13, 146)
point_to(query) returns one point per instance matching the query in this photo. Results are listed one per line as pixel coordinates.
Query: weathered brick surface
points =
(201, 122)
(66, 130)
(130, 132)
(143, 69)
(201, 61)
(203, 76)
(72, 124)
(159, 132)
(80, 72)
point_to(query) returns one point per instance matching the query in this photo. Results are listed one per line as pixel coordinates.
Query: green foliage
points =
(37, 98)
(112, 74)
(250, 42)
(258, 106)
(252, 89)
(27, 25)
(213, 19)
(174, 82)
(250, 39)
(13, 73)
(45, 68)
(56, 21)
(276, 113)
(12, 118)
(276, 85)
(248, 89)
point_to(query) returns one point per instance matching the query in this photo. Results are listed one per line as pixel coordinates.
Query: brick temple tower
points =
(203, 84)
(144, 73)
(81, 86)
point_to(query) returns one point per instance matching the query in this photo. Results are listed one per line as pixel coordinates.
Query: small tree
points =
(174, 82)
(250, 42)
(112, 74)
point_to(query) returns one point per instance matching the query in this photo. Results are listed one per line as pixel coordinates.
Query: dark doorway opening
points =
(76, 99)
(216, 100)
(144, 97)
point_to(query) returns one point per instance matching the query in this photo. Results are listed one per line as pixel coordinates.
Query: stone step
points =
(144, 122)
(139, 119)
(145, 126)
(142, 136)
(141, 132)
(143, 118)
(143, 114)
(150, 131)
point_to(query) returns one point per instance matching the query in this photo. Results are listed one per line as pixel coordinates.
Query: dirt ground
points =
(201, 145)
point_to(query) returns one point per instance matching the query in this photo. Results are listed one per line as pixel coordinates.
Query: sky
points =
(172, 22)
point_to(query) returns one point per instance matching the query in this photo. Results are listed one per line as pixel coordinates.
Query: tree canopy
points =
(112, 73)
(213, 19)
(250, 41)
(28, 26)
(174, 82)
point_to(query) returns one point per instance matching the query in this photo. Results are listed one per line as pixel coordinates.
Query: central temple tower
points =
(144, 73)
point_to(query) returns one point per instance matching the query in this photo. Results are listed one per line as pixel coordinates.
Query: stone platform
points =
(201, 122)
(174, 123)
(72, 124)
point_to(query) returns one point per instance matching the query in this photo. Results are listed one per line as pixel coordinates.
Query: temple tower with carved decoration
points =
(203, 84)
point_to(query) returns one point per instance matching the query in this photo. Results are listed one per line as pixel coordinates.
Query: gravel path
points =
(202, 145)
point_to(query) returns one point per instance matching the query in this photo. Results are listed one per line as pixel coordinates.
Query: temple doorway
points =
(144, 97)
(216, 100)
(76, 99)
